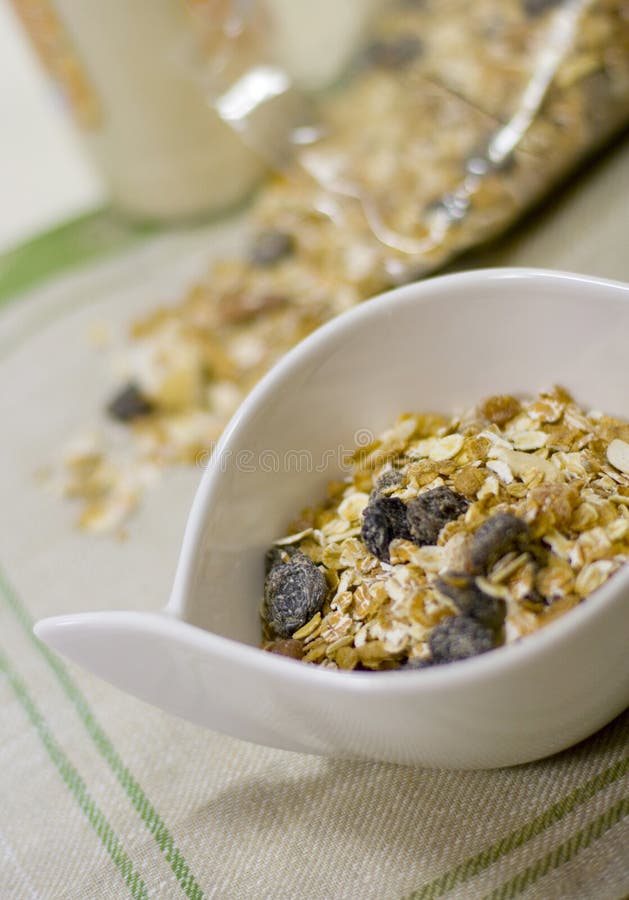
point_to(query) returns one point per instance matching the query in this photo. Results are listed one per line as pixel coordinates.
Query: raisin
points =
(286, 647)
(270, 247)
(429, 512)
(395, 53)
(460, 637)
(293, 592)
(384, 520)
(129, 404)
(537, 7)
(500, 534)
(389, 480)
(471, 601)
(277, 555)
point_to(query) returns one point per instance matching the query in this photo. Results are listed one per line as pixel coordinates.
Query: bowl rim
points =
(396, 681)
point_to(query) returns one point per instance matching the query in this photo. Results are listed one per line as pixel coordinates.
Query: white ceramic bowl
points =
(441, 344)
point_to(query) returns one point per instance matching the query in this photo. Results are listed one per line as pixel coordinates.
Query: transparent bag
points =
(441, 123)
(450, 121)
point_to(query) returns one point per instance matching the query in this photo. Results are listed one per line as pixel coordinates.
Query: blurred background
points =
(45, 175)
(247, 170)
(173, 111)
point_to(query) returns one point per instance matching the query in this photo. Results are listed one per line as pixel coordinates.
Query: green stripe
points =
(563, 853)
(140, 801)
(76, 785)
(74, 243)
(476, 864)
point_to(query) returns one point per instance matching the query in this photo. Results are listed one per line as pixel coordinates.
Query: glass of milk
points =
(147, 118)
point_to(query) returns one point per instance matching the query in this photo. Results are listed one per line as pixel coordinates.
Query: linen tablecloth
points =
(102, 796)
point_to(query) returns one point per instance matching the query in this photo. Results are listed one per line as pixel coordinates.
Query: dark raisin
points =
(537, 7)
(129, 404)
(389, 480)
(293, 592)
(286, 647)
(428, 513)
(277, 555)
(460, 637)
(470, 600)
(270, 247)
(500, 534)
(395, 53)
(384, 520)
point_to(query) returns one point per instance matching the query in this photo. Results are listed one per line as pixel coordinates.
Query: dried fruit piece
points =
(395, 53)
(469, 481)
(500, 409)
(384, 520)
(129, 404)
(286, 647)
(277, 555)
(498, 535)
(293, 592)
(509, 558)
(429, 512)
(388, 481)
(270, 247)
(460, 637)
(538, 7)
(470, 600)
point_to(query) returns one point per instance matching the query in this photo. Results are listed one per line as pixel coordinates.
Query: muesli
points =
(453, 536)
(454, 118)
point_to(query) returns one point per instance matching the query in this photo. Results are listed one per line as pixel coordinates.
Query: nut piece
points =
(498, 535)
(618, 455)
(293, 592)
(446, 447)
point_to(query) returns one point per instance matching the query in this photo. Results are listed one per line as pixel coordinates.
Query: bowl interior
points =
(440, 345)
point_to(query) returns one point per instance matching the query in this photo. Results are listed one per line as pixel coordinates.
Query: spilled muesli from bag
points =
(453, 536)
(453, 119)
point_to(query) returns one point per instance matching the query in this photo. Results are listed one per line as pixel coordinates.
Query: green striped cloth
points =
(102, 796)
